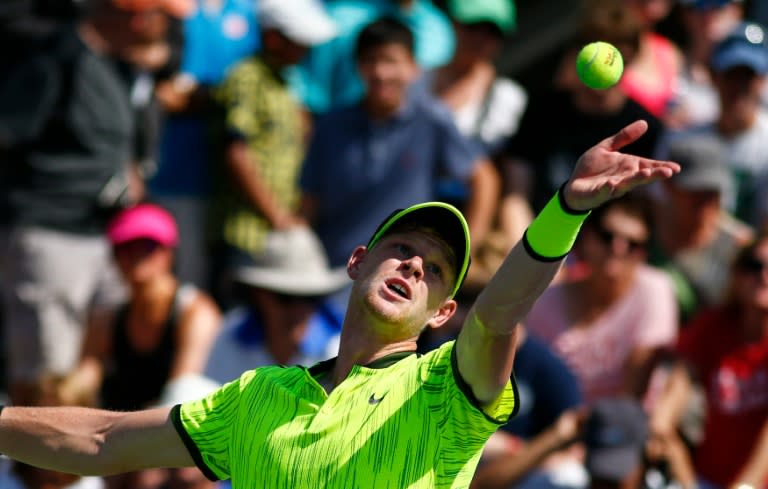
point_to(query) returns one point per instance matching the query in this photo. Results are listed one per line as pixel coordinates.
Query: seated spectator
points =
(570, 113)
(695, 240)
(328, 78)
(615, 434)
(651, 78)
(285, 320)
(487, 108)
(263, 134)
(739, 66)
(158, 340)
(705, 23)
(613, 313)
(725, 350)
(532, 449)
(387, 151)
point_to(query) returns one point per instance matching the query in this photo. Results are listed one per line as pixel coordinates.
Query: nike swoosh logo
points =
(374, 400)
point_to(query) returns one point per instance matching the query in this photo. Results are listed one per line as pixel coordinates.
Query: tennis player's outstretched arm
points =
(486, 344)
(91, 441)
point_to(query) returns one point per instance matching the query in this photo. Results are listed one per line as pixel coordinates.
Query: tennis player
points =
(378, 415)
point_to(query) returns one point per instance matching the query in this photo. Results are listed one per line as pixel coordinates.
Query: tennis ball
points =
(599, 65)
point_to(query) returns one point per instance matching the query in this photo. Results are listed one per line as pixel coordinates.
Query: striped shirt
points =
(404, 421)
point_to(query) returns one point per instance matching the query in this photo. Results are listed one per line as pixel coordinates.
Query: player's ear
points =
(443, 314)
(355, 261)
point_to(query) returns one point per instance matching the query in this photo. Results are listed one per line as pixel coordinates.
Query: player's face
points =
(387, 72)
(405, 281)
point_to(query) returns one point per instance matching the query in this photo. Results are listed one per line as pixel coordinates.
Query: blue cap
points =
(744, 46)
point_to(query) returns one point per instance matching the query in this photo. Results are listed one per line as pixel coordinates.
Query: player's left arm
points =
(486, 345)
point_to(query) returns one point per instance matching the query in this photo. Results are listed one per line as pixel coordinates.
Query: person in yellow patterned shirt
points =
(260, 130)
(378, 415)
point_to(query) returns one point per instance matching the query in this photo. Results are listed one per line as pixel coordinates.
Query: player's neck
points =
(360, 348)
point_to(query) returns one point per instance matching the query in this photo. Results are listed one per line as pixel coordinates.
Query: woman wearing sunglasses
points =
(613, 312)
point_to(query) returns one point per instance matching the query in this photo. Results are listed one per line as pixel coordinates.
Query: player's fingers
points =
(629, 134)
(658, 165)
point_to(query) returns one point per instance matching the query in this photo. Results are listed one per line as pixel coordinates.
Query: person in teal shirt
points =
(327, 78)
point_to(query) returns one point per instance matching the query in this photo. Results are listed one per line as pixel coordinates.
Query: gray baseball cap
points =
(703, 163)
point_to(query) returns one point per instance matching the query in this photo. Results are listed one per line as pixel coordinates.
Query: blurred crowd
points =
(182, 182)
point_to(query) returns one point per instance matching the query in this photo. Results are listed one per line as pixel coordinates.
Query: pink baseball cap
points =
(143, 221)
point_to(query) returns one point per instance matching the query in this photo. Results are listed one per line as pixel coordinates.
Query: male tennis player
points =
(378, 415)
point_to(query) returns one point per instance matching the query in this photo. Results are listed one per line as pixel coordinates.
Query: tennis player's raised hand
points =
(603, 172)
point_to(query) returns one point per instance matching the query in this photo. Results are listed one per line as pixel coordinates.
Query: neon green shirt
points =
(404, 421)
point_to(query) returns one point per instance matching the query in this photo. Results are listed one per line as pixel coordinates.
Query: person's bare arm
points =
(485, 188)
(84, 381)
(90, 441)
(246, 178)
(200, 323)
(755, 471)
(485, 346)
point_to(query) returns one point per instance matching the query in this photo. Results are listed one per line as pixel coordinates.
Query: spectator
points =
(162, 333)
(328, 78)
(159, 340)
(152, 61)
(725, 350)
(65, 141)
(286, 321)
(695, 240)
(610, 319)
(486, 106)
(533, 449)
(739, 66)
(256, 187)
(387, 151)
(615, 434)
(651, 78)
(487, 109)
(217, 35)
(573, 113)
(705, 23)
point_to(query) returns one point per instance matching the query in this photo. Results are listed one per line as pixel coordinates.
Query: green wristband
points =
(551, 235)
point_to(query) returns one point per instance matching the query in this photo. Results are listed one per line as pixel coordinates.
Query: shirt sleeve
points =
(27, 96)
(658, 327)
(459, 401)
(208, 425)
(310, 179)
(240, 98)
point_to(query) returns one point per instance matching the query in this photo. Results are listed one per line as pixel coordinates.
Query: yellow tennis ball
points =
(599, 65)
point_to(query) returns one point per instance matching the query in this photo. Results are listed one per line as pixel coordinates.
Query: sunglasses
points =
(142, 246)
(752, 264)
(608, 237)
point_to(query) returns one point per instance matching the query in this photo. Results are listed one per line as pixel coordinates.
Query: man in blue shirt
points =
(387, 151)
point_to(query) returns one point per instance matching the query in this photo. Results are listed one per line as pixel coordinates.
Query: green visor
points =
(445, 219)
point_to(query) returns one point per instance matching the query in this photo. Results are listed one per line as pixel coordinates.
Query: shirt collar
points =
(383, 362)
